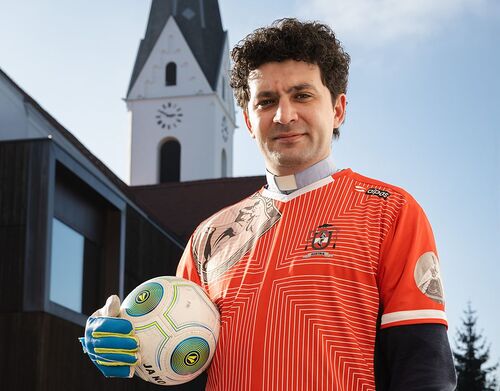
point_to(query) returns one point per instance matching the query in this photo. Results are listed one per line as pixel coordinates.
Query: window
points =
(223, 88)
(170, 161)
(85, 246)
(66, 266)
(171, 74)
(224, 164)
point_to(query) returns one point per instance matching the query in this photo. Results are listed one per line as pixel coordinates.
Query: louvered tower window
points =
(171, 74)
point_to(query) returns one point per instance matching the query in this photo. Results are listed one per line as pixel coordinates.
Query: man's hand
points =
(110, 341)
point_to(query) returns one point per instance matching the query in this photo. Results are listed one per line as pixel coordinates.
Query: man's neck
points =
(287, 184)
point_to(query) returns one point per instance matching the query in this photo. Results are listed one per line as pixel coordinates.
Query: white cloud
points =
(384, 21)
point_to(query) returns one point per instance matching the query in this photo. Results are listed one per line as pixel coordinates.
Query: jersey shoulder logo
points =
(379, 193)
(373, 191)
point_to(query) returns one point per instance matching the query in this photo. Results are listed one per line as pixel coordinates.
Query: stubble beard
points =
(291, 158)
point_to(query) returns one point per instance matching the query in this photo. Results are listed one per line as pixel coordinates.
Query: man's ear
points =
(339, 110)
(248, 123)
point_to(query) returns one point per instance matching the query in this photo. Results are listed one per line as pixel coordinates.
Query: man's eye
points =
(264, 102)
(302, 96)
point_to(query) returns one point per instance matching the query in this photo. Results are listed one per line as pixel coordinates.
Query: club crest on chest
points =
(321, 241)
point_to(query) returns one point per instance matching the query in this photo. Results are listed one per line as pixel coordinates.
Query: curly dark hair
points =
(290, 39)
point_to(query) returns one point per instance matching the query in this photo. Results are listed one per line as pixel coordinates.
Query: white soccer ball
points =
(177, 326)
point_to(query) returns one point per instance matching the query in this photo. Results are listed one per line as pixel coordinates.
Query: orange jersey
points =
(303, 282)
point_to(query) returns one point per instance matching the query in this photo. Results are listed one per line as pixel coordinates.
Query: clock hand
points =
(166, 114)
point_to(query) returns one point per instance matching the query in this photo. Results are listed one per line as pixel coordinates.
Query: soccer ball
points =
(177, 326)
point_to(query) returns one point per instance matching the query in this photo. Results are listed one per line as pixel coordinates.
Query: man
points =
(336, 285)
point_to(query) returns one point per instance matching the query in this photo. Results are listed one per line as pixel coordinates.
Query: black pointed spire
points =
(201, 25)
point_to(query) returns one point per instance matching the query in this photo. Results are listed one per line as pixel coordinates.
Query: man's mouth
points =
(288, 137)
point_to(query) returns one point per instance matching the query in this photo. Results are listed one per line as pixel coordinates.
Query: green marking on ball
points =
(190, 356)
(143, 299)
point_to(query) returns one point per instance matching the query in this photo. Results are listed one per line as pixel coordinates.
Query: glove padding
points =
(110, 341)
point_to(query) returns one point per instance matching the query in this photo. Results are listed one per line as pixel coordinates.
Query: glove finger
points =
(110, 325)
(123, 343)
(84, 345)
(112, 306)
(115, 359)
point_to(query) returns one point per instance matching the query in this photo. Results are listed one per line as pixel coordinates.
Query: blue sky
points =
(423, 112)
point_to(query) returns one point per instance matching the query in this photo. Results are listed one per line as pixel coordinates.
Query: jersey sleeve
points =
(409, 279)
(187, 267)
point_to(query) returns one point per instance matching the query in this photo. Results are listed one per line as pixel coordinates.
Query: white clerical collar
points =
(287, 184)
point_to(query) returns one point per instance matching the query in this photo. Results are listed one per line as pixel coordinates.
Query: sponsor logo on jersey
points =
(320, 240)
(379, 193)
(373, 191)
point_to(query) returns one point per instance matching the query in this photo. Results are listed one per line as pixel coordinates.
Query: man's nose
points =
(285, 112)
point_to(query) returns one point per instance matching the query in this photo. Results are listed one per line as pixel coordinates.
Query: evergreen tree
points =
(470, 357)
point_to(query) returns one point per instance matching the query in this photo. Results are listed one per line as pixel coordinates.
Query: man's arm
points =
(413, 352)
(414, 358)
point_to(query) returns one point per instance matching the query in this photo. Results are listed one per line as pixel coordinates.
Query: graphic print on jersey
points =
(223, 245)
(428, 277)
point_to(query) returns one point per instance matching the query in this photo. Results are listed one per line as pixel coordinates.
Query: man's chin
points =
(290, 161)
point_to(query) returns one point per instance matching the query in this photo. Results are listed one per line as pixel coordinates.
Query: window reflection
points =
(66, 266)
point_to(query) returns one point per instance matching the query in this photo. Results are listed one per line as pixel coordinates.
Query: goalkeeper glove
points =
(110, 341)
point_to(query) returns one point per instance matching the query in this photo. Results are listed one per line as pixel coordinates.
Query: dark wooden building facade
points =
(40, 185)
(55, 193)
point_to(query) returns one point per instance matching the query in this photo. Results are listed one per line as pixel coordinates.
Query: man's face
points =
(291, 115)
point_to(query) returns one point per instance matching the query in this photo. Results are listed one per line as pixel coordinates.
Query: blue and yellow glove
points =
(110, 341)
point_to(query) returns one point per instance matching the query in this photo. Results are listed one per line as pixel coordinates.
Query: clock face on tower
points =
(224, 130)
(169, 115)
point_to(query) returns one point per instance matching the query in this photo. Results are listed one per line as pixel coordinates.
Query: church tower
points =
(181, 107)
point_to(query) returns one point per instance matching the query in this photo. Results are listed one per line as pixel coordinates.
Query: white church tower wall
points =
(180, 91)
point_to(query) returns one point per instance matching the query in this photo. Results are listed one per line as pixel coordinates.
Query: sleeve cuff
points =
(413, 317)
